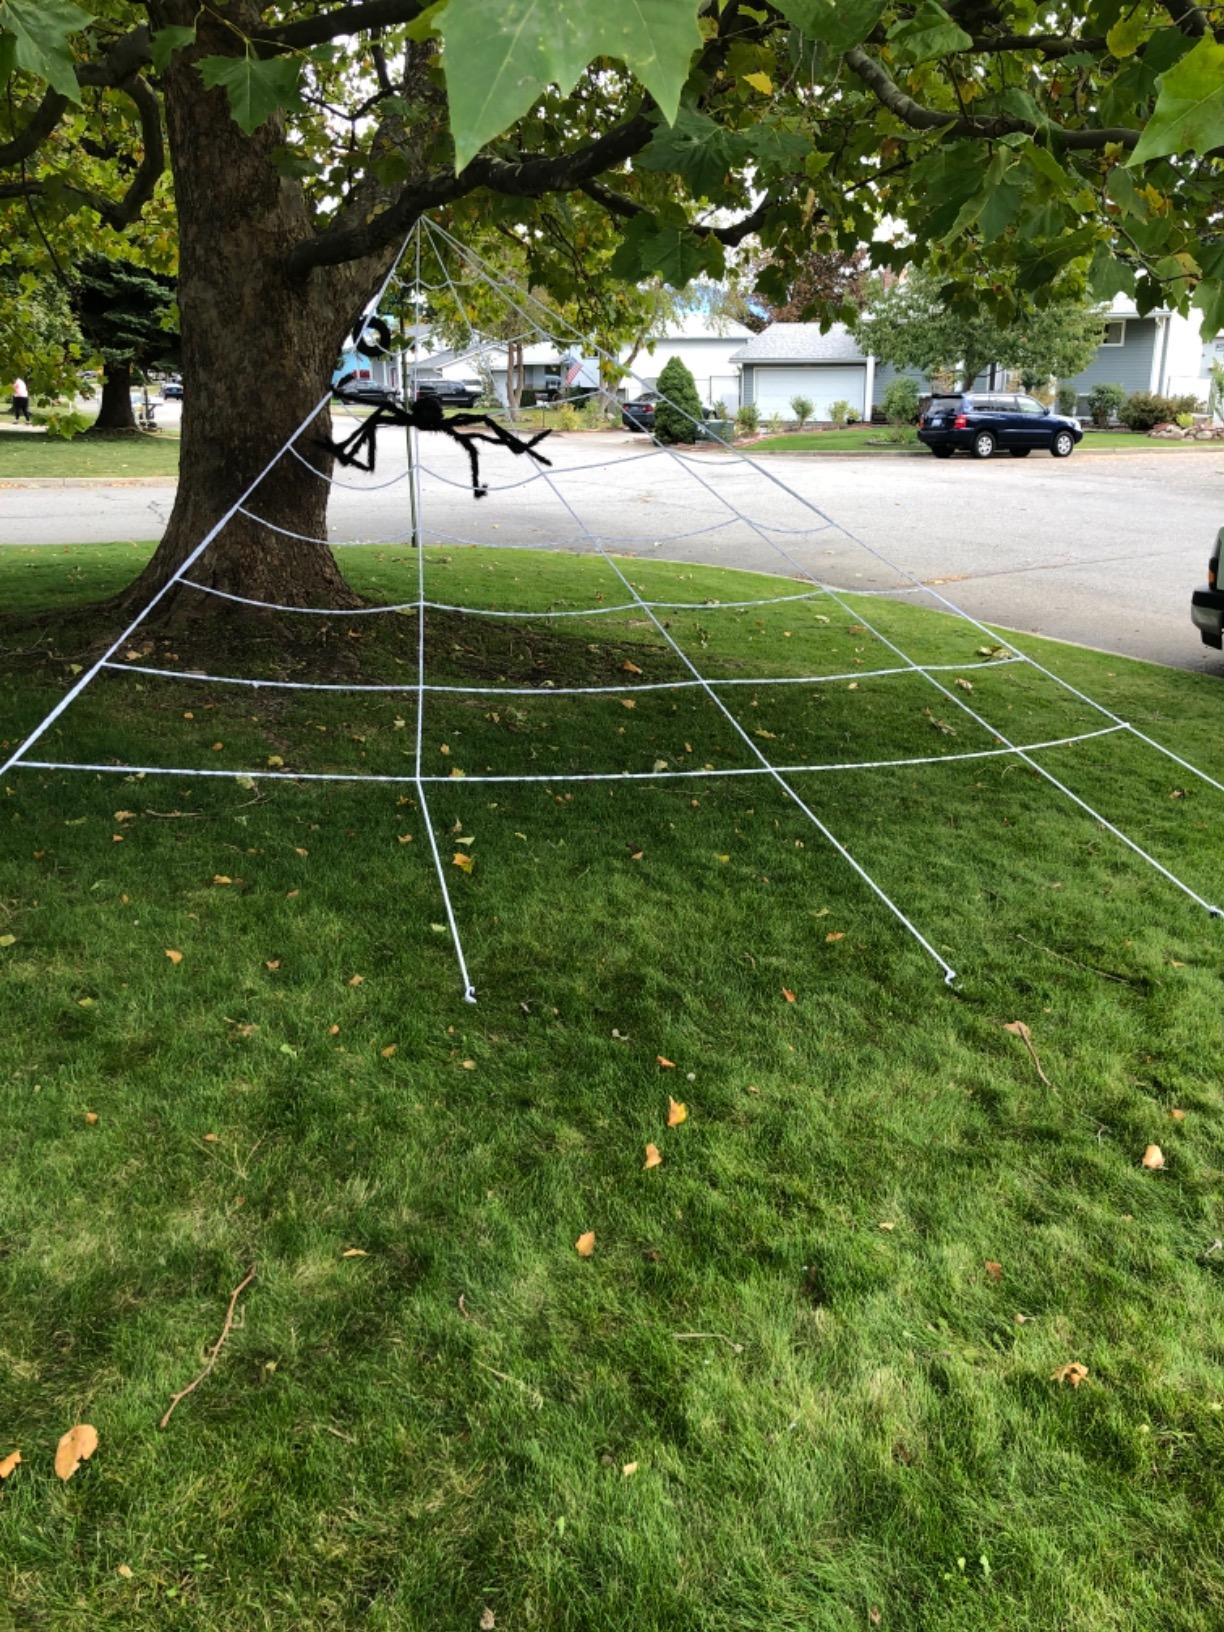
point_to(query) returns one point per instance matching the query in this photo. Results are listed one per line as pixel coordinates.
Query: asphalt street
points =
(1101, 549)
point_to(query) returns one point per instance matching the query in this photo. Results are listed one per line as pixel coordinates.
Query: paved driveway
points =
(1100, 548)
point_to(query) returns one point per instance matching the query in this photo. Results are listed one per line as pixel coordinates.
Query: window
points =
(1115, 332)
(1029, 405)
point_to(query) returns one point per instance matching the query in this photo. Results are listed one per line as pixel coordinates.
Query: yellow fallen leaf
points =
(468, 1065)
(222, 878)
(487, 1618)
(274, 761)
(630, 668)
(298, 850)
(835, 935)
(887, 1224)
(8, 940)
(354, 1252)
(125, 815)
(1153, 1157)
(994, 1269)
(668, 1065)
(723, 858)
(654, 1157)
(456, 773)
(628, 702)
(463, 861)
(585, 1244)
(403, 838)
(1178, 1116)
(175, 957)
(391, 1048)
(75, 1447)
(1072, 1373)
(272, 963)
(91, 1118)
(125, 1570)
(333, 1031)
(8, 1463)
(628, 1469)
(788, 995)
(217, 747)
(677, 1112)
(355, 980)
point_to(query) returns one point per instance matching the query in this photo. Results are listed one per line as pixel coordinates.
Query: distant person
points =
(21, 402)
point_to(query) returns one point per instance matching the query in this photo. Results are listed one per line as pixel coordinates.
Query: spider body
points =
(360, 449)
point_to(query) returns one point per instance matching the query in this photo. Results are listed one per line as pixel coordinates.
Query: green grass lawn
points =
(859, 438)
(805, 1382)
(24, 456)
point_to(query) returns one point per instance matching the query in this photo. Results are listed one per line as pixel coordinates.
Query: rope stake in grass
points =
(215, 1351)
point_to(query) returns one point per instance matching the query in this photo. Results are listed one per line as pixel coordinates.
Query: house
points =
(706, 345)
(1160, 351)
(796, 360)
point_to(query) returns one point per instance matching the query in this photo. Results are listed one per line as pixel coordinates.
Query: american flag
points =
(573, 367)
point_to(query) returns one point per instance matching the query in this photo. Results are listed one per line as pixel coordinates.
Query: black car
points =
(171, 388)
(1207, 605)
(365, 391)
(639, 414)
(451, 393)
(987, 422)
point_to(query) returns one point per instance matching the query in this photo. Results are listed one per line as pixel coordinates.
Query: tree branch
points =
(917, 117)
(626, 208)
(50, 111)
(1050, 45)
(350, 19)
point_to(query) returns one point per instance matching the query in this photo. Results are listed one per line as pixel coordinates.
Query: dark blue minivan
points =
(984, 423)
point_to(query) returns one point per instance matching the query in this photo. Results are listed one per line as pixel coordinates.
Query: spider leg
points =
(361, 442)
(507, 439)
(465, 442)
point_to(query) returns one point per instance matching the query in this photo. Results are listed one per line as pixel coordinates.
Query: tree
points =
(678, 414)
(39, 336)
(126, 317)
(917, 323)
(306, 138)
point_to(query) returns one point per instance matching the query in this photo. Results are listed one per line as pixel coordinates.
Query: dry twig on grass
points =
(216, 1348)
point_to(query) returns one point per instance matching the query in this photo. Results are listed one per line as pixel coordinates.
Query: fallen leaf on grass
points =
(354, 1252)
(994, 1269)
(125, 815)
(75, 1447)
(333, 1031)
(355, 980)
(8, 940)
(1153, 1157)
(627, 702)
(788, 995)
(887, 1224)
(668, 1065)
(299, 851)
(91, 1118)
(630, 668)
(468, 1065)
(1019, 1029)
(175, 957)
(222, 878)
(403, 838)
(835, 935)
(1178, 1116)
(654, 1157)
(8, 1463)
(463, 861)
(391, 1048)
(677, 1112)
(210, 1138)
(585, 1244)
(1072, 1373)
(125, 1570)
(487, 1620)
(628, 1469)
(272, 963)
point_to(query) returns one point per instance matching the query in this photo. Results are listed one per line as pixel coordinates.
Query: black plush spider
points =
(426, 414)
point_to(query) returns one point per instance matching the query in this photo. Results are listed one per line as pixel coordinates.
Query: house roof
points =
(801, 343)
(699, 325)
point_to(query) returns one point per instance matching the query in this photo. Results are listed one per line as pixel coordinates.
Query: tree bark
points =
(514, 378)
(259, 346)
(115, 412)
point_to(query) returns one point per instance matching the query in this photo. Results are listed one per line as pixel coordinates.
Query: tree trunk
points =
(116, 413)
(514, 377)
(969, 372)
(258, 351)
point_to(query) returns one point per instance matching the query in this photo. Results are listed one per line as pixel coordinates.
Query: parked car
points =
(451, 393)
(171, 388)
(987, 422)
(1207, 605)
(366, 391)
(638, 415)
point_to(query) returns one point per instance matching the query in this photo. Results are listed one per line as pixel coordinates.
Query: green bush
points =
(1068, 396)
(566, 418)
(65, 423)
(1105, 403)
(1189, 404)
(802, 408)
(719, 410)
(1185, 421)
(748, 419)
(1143, 409)
(853, 416)
(528, 398)
(901, 400)
(839, 412)
(678, 414)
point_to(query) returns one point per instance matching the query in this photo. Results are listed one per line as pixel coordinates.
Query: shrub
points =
(748, 419)
(853, 416)
(719, 410)
(802, 408)
(774, 423)
(1185, 421)
(901, 400)
(528, 398)
(566, 418)
(839, 412)
(64, 424)
(678, 413)
(1189, 404)
(1105, 403)
(593, 413)
(1143, 409)
(1068, 397)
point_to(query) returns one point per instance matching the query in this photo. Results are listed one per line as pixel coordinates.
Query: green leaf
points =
(1126, 35)
(499, 59)
(1120, 186)
(1110, 276)
(695, 148)
(928, 34)
(1189, 115)
(779, 151)
(256, 88)
(839, 24)
(40, 31)
(425, 26)
(668, 250)
(167, 41)
(1209, 298)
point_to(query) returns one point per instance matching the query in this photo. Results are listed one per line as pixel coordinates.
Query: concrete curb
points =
(88, 481)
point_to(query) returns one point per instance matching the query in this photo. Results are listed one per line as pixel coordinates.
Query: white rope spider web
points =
(460, 267)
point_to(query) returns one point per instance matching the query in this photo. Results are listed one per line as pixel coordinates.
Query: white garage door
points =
(822, 386)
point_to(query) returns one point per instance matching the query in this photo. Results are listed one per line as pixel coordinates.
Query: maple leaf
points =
(463, 861)
(677, 1112)
(173, 955)
(1153, 1157)
(585, 1244)
(654, 1157)
(75, 1447)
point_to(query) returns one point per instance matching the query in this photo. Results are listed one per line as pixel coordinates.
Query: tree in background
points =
(1018, 145)
(678, 413)
(126, 318)
(40, 340)
(917, 322)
